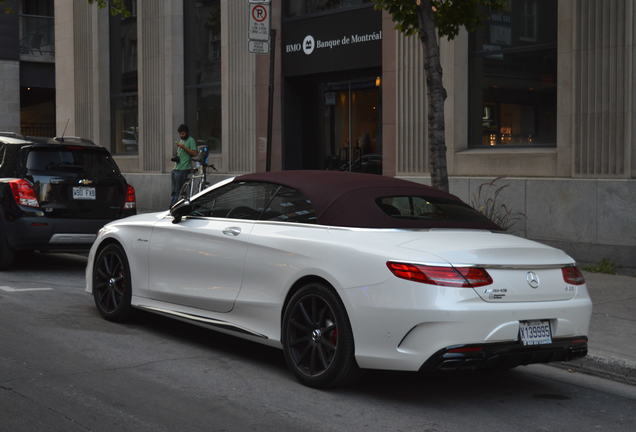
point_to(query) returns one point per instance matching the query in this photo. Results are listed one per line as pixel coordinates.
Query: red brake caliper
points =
(333, 337)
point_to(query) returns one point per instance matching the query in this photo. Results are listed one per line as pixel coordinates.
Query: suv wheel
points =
(7, 254)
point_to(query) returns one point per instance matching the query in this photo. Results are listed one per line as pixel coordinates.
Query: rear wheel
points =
(317, 338)
(111, 283)
(7, 254)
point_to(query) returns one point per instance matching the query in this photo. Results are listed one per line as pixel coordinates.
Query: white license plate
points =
(535, 332)
(84, 193)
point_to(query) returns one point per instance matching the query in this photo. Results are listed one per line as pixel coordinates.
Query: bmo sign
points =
(335, 42)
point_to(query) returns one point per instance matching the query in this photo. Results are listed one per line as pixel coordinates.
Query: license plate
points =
(535, 332)
(84, 193)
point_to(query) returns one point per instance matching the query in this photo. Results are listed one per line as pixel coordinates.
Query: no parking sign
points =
(259, 21)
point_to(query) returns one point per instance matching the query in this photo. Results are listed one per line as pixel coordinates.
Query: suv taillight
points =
(23, 193)
(130, 202)
(572, 275)
(461, 277)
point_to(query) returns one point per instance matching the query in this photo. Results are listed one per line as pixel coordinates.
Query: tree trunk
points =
(436, 94)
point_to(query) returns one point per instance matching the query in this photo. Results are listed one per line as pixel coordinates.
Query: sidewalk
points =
(612, 338)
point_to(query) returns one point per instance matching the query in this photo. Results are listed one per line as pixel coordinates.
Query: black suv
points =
(56, 194)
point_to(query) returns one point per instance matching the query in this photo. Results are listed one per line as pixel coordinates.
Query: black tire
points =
(112, 284)
(317, 338)
(7, 254)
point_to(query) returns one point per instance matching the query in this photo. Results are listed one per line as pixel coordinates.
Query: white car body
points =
(234, 276)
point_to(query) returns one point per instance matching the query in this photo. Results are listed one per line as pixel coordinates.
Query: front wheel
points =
(317, 338)
(111, 283)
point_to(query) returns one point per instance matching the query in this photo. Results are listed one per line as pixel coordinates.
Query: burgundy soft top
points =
(349, 199)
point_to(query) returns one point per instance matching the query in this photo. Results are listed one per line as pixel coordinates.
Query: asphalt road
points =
(63, 368)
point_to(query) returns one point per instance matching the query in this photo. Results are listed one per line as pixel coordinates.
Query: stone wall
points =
(590, 219)
(9, 96)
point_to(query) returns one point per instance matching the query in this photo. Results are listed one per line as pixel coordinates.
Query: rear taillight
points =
(572, 275)
(23, 193)
(461, 277)
(130, 202)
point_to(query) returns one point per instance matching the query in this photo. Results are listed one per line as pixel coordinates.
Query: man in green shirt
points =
(186, 150)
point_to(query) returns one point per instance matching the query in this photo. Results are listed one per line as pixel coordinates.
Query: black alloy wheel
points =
(111, 283)
(317, 338)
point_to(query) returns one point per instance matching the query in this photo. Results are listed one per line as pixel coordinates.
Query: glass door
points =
(350, 130)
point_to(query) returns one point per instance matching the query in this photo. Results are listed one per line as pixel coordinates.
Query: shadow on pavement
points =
(388, 386)
(48, 262)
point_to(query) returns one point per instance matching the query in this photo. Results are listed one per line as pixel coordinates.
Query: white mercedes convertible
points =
(346, 271)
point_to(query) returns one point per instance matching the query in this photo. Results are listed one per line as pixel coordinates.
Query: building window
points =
(123, 82)
(295, 8)
(528, 21)
(513, 77)
(202, 58)
(37, 40)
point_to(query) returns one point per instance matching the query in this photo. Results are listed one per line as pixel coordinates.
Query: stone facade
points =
(9, 96)
(579, 195)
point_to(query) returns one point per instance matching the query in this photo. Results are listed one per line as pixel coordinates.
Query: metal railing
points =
(38, 129)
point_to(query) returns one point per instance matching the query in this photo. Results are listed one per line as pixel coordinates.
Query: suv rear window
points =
(93, 162)
(432, 209)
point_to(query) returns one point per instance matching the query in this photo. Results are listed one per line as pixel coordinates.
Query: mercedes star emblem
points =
(533, 279)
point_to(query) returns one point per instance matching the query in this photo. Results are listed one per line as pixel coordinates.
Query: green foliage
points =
(6, 9)
(449, 15)
(487, 202)
(605, 266)
(116, 7)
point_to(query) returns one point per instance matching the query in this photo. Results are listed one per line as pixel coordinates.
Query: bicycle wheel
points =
(196, 184)
(185, 190)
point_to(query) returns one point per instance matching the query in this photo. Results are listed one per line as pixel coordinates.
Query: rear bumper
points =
(506, 354)
(50, 234)
(402, 326)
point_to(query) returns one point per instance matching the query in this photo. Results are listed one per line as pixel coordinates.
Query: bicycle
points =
(197, 177)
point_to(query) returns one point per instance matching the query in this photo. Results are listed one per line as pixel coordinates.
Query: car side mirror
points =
(180, 209)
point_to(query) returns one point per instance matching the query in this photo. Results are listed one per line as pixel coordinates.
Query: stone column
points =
(82, 71)
(64, 67)
(411, 104)
(238, 90)
(603, 76)
(161, 88)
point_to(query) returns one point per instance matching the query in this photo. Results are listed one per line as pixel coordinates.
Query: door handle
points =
(232, 231)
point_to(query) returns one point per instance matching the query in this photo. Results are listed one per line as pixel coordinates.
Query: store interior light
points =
(378, 81)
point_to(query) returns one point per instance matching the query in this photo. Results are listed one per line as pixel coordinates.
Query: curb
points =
(604, 366)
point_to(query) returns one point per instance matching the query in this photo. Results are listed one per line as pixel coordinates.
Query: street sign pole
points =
(270, 102)
(262, 40)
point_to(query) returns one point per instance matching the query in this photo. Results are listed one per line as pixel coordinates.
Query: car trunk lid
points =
(521, 270)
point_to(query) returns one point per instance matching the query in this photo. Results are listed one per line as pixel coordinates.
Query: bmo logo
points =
(292, 48)
(309, 44)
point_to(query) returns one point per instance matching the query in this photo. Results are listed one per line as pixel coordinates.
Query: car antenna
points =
(64, 131)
